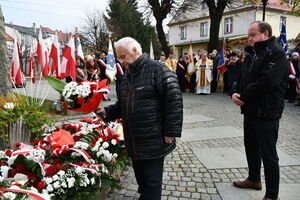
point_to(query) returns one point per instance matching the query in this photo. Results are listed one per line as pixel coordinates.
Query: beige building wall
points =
(273, 18)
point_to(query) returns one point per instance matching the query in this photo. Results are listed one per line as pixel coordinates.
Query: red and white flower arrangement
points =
(71, 159)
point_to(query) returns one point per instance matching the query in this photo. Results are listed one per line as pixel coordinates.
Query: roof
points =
(63, 37)
(8, 37)
(47, 30)
(197, 12)
(23, 29)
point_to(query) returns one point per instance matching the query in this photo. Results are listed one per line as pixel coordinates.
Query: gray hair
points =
(128, 43)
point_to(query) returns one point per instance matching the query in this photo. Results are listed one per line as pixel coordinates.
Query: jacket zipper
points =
(129, 127)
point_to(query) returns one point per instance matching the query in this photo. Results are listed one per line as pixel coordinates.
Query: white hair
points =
(129, 43)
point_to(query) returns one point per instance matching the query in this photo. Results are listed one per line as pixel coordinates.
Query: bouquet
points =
(71, 161)
(81, 97)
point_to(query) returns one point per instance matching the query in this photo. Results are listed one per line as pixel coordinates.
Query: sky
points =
(62, 15)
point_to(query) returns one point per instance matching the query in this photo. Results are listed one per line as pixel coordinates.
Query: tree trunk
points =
(214, 31)
(162, 38)
(4, 80)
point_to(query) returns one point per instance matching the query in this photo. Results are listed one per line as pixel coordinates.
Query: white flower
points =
(71, 182)
(55, 177)
(49, 188)
(81, 145)
(37, 155)
(105, 145)
(9, 195)
(78, 170)
(93, 181)
(113, 142)
(56, 185)
(64, 184)
(115, 155)
(9, 106)
(61, 173)
(4, 171)
(2, 154)
(48, 180)
(1, 179)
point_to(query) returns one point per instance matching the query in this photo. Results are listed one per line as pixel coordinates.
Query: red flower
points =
(65, 106)
(76, 138)
(21, 168)
(40, 186)
(12, 173)
(93, 87)
(57, 161)
(51, 170)
(8, 152)
(80, 100)
(31, 176)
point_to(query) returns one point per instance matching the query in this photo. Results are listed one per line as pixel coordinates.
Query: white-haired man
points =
(150, 105)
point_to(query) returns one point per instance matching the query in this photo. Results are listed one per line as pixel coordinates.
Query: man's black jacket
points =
(150, 105)
(262, 84)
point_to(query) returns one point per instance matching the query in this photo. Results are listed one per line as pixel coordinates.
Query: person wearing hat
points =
(293, 76)
(92, 67)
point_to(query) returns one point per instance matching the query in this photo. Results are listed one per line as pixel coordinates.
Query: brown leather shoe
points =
(247, 184)
(265, 198)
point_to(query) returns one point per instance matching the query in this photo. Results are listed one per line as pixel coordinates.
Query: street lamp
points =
(264, 3)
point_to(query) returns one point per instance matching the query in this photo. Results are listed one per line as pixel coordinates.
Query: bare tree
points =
(95, 32)
(4, 80)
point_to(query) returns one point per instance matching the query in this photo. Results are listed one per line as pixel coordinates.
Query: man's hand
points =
(235, 98)
(100, 111)
(169, 140)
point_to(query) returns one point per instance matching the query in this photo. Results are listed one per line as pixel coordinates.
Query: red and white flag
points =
(31, 69)
(42, 53)
(68, 65)
(55, 58)
(16, 73)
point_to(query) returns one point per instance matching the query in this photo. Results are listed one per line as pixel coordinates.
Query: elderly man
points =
(150, 105)
(260, 92)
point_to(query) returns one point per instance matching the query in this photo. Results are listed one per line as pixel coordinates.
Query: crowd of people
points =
(201, 74)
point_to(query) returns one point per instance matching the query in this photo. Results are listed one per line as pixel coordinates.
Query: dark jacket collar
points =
(258, 46)
(139, 63)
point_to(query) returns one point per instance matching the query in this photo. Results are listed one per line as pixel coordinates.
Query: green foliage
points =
(34, 116)
(30, 165)
(124, 20)
(58, 85)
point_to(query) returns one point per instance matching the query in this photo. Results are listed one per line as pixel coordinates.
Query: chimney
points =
(33, 26)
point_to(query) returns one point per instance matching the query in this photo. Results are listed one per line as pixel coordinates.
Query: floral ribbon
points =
(36, 195)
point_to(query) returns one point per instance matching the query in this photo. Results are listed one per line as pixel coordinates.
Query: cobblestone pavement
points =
(185, 177)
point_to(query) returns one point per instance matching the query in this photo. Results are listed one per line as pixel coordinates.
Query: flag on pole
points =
(31, 70)
(111, 69)
(151, 50)
(191, 67)
(42, 53)
(55, 57)
(16, 73)
(79, 48)
(282, 38)
(68, 65)
(221, 59)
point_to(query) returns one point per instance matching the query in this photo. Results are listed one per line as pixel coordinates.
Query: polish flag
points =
(31, 70)
(68, 65)
(55, 58)
(42, 53)
(16, 73)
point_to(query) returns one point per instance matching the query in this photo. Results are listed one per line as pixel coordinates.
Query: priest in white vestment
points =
(204, 75)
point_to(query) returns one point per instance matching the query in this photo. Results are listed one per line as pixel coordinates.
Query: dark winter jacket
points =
(263, 80)
(150, 105)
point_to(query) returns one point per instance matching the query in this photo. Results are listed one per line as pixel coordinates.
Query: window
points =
(228, 25)
(183, 32)
(203, 29)
(292, 2)
(282, 21)
(203, 5)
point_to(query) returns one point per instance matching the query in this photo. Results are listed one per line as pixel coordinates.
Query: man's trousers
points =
(148, 174)
(260, 138)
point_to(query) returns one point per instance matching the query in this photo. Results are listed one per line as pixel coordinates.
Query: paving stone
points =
(210, 133)
(195, 118)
